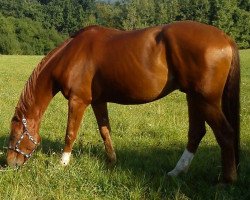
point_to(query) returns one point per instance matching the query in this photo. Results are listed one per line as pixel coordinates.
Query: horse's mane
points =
(27, 95)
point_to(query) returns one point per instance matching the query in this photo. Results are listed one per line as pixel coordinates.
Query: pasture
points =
(148, 139)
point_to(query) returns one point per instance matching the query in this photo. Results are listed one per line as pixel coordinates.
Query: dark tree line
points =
(37, 26)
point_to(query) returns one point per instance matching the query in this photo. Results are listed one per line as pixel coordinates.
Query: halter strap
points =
(25, 132)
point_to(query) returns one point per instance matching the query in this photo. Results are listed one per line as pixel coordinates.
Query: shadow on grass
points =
(3, 150)
(149, 166)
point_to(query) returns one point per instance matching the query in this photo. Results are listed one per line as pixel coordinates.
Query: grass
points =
(148, 139)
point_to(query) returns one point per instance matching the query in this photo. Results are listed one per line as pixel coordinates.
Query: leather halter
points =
(25, 132)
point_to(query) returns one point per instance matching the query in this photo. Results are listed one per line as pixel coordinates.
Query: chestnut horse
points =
(99, 65)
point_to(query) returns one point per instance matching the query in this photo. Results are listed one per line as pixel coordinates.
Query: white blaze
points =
(183, 164)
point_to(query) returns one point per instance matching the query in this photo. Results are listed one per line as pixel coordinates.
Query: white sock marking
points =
(65, 158)
(183, 164)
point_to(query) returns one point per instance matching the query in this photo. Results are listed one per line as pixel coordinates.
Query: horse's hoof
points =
(173, 173)
(111, 160)
(111, 164)
(223, 183)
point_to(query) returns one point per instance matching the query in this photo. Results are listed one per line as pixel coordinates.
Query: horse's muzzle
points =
(15, 159)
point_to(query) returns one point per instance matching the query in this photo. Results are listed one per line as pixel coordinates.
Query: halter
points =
(25, 132)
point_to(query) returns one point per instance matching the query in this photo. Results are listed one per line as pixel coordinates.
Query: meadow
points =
(149, 139)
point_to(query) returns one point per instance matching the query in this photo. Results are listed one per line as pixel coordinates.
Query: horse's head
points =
(23, 140)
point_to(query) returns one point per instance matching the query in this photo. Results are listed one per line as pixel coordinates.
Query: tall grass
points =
(148, 139)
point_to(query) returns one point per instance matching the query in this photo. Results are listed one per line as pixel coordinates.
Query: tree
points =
(108, 15)
(244, 5)
(241, 29)
(37, 26)
(8, 41)
(20, 9)
(66, 16)
(138, 14)
(194, 10)
(166, 11)
(34, 39)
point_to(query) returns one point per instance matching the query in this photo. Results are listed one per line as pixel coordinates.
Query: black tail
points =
(231, 99)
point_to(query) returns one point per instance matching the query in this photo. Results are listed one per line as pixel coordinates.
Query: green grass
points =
(148, 139)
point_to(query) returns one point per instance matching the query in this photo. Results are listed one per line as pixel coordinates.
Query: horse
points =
(98, 65)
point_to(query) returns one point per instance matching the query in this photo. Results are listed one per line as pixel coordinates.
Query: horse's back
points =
(143, 65)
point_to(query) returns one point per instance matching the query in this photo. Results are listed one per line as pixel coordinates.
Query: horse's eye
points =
(14, 119)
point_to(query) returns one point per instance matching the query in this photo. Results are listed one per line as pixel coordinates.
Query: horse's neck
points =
(39, 89)
(36, 95)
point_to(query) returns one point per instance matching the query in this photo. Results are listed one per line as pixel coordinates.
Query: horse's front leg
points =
(102, 118)
(76, 107)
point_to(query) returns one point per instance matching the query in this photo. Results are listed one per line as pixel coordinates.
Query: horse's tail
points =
(231, 99)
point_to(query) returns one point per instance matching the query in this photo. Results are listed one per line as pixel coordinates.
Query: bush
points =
(24, 36)
(8, 41)
(34, 39)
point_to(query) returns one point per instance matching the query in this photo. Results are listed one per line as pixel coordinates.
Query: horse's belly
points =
(140, 91)
(137, 73)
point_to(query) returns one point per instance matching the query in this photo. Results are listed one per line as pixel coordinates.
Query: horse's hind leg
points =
(224, 136)
(196, 132)
(102, 118)
(76, 107)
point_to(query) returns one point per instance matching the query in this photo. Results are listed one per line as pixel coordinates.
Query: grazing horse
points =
(99, 65)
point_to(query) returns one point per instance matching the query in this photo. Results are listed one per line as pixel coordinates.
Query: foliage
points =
(64, 17)
(194, 10)
(40, 40)
(8, 41)
(24, 36)
(166, 11)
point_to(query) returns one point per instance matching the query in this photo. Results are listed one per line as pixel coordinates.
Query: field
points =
(149, 139)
